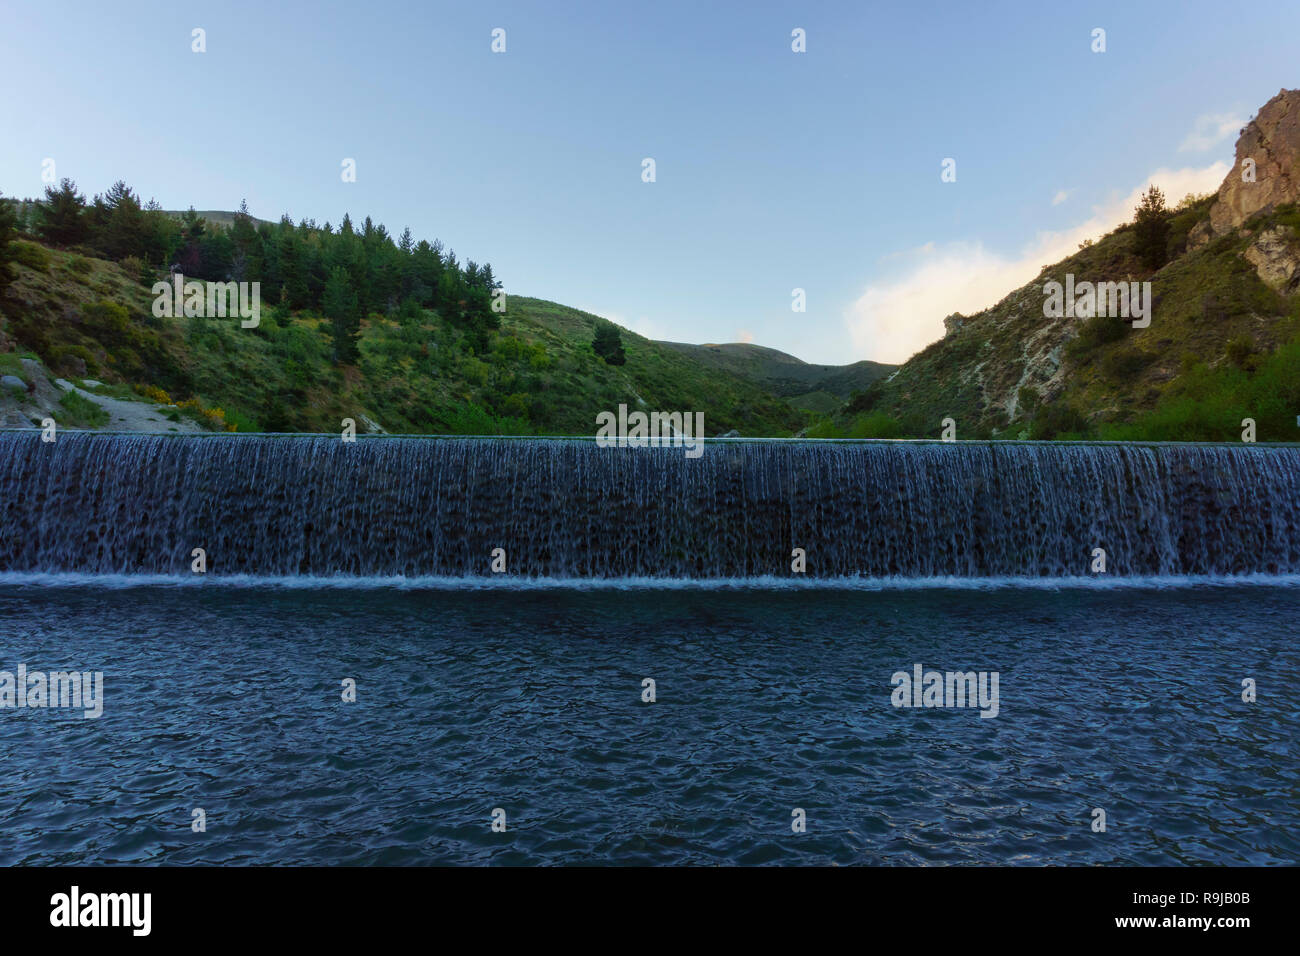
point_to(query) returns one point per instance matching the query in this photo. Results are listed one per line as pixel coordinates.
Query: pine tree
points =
(189, 255)
(293, 269)
(62, 220)
(8, 232)
(1151, 229)
(246, 260)
(121, 222)
(21, 209)
(340, 305)
(608, 344)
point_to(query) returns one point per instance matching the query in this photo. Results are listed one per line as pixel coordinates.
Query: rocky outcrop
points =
(1275, 254)
(1267, 169)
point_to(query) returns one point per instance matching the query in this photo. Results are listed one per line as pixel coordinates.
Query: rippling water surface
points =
(228, 698)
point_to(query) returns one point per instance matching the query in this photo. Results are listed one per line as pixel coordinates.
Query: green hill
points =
(805, 385)
(402, 337)
(88, 318)
(1223, 345)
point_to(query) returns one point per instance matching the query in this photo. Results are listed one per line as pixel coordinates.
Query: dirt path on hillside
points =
(127, 416)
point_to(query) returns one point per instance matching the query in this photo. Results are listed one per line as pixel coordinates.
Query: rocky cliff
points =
(1266, 173)
(1226, 303)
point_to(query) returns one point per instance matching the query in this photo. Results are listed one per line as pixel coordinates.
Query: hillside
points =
(1223, 343)
(402, 337)
(90, 322)
(820, 388)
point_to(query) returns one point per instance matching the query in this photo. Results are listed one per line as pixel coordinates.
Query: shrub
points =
(471, 419)
(1288, 214)
(514, 406)
(1027, 398)
(1059, 421)
(1097, 331)
(74, 361)
(876, 425)
(136, 267)
(866, 400)
(31, 255)
(1239, 349)
(1125, 364)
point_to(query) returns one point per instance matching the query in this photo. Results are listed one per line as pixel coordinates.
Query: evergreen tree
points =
(340, 305)
(300, 266)
(296, 293)
(189, 254)
(61, 219)
(20, 210)
(119, 223)
(1151, 229)
(608, 344)
(162, 234)
(246, 260)
(8, 232)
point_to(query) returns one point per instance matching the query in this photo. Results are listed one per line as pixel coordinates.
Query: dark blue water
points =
(228, 698)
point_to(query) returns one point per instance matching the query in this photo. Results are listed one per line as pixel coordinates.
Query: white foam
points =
(499, 582)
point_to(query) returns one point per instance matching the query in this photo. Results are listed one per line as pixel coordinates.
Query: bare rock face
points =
(953, 322)
(1272, 141)
(1275, 254)
(1200, 235)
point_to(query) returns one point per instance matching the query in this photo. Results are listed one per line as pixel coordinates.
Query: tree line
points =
(343, 272)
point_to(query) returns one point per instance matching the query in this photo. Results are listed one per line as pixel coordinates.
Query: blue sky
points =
(775, 170)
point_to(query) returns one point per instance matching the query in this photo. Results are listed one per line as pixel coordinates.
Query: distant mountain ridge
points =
(820, 388)
(220, 217)
(1219, 359)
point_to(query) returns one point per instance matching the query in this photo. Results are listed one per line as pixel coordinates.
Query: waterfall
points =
(315, 505)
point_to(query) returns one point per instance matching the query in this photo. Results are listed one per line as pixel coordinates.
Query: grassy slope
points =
(540, 377)
(1204, 299)
(805, 384)
(660, 375)
(1008, 372)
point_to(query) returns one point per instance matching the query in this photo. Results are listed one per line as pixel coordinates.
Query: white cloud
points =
(744, 335)
(646, 327)
(1209, 130)
(1061, 196)
(895, 318)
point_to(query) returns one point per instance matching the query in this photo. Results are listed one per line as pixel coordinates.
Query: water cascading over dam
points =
(414, 507)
